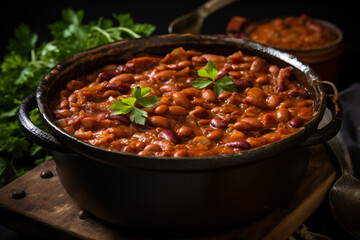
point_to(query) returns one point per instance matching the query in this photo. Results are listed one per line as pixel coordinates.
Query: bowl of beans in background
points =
(316, 42)
(233, 148)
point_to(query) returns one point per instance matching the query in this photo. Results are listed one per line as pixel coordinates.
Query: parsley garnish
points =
(224, 84)
(126, 105)
(28, 60)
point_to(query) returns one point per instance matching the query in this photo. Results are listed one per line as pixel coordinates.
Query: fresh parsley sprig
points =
(28, 60)
(209, 75)
(126, 105)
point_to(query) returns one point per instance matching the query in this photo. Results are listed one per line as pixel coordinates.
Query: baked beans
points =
(269, 105)
(293, 33)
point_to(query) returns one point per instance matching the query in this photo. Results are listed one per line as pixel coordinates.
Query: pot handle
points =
(332, 126)
(234, 26)
(31, 131)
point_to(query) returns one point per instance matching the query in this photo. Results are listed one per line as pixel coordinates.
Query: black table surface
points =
(39, 14)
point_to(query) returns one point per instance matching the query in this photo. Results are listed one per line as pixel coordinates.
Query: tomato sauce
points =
(269, 105)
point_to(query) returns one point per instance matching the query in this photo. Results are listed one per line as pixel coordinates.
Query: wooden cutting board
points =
(48, 212)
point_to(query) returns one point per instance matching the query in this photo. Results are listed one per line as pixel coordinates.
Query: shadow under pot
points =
(183, 195)
(315, 42)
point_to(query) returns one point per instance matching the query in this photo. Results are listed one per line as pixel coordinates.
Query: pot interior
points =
(250, 26)
(120, 52)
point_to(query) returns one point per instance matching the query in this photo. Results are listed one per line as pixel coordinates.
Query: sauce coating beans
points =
(187, 122)
(293, 33)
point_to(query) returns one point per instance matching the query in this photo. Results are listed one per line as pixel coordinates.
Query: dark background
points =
(39, 14)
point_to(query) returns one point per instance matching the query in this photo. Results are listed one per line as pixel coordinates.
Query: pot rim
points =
(249, 26)
(179, 163)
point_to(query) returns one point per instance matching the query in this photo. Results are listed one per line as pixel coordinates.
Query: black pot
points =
(178, 195)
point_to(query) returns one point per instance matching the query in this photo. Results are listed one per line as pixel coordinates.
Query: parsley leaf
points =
(28, 61)
(126, 105)
(224, 84)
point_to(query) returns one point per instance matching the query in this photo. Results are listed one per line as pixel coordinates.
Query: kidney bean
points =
(235, 99)
(269, 121)
(302, 93)
(221, 73)
(224, 95)
(256, 92)
(262, 80)
(209, 96)
(215, 135)
(141, 64)
(218, 123)
(140, 77)
(274, 70)
(241, 66)
(237, 135)
(181, 153)
(284, 75)
(202, 140)
(235, 74)
(63, 113)
(161, 109)
(153, 148)
(185, 132)
(225, 109)
(199, 59)
(119, 133)
(139, 145)
(238, 144)
(296, 122)
(236, 57)
(190, 79)
(165, 75)
(242, 125)
(257, 102)
(283, 114)
(305, 113)
(159, 121)
(145, 153)
(124, 78)
(88, 123)
(192, 92)
(169, 135)
(121, 87)
(177, 111)
(255, 123)
(107, 94)
(242, 84)
(285, 104)
(80, 133)
(123, 69)
(169, 88)
(204, 122)
(106, 76)
(184, 64)
(214, 58)
(181, 100)
(102, 115)
(273, 101)
(121, 118)
(257, 65)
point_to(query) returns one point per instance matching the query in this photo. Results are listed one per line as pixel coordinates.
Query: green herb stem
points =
(27, 62)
